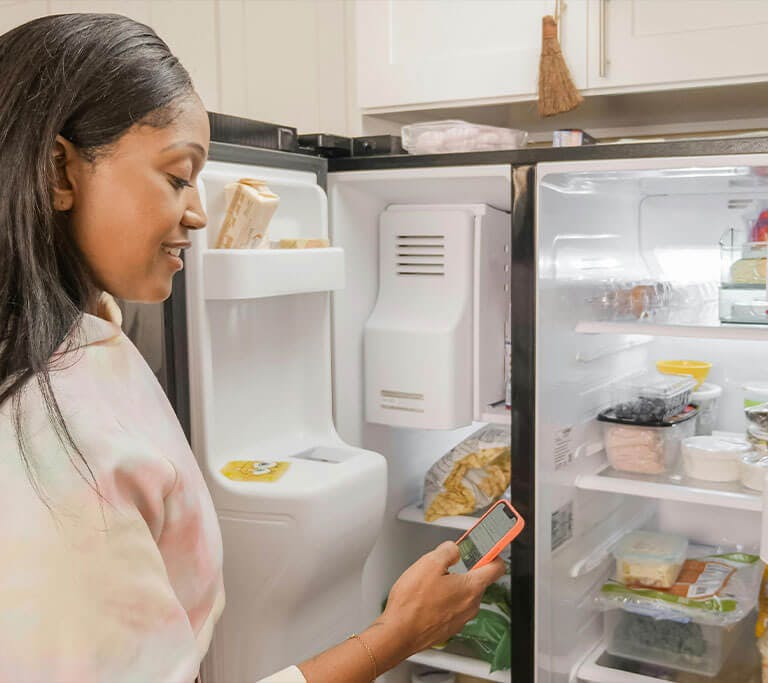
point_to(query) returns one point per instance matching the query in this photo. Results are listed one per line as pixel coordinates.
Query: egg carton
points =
(436, 137)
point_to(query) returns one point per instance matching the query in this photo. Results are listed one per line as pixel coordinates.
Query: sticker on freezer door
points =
(563, 448)
(562, 525)
(255, 470)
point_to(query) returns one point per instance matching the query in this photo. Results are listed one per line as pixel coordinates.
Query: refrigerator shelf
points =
(258, 273)
(459, 664)
(715, 330)
(497, 414)
(671, 487)
(415, 513)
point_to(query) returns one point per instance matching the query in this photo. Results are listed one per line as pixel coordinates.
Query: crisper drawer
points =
(698, 648)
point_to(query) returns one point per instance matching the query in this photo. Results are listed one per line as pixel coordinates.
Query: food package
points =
(718, 589)
(650, 559)
(712, 458)
(470, 476)
(317, 243)
(250, 207)
(758, 416)
(748, 271)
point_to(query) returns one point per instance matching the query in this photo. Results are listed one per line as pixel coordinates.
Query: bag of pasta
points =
(470, 476)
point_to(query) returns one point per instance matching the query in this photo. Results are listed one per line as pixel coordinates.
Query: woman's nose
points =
(195, 217)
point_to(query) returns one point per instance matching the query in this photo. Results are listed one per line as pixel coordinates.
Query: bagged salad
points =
(470, 476)
(717, 589)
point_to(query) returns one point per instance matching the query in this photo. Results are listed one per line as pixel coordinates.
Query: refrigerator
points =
(274, 347)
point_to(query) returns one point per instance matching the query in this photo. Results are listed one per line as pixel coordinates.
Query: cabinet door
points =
(421, 51)
(646, 43)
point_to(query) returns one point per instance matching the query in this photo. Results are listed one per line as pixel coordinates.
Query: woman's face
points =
(131, 209)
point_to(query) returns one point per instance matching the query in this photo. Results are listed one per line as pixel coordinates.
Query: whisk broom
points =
(557, 93)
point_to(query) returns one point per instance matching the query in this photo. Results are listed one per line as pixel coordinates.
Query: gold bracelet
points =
(370, 654)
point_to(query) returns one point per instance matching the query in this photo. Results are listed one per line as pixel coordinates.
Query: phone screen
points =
(485, 535)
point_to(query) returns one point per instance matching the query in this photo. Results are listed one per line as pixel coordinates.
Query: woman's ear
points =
(65, 160)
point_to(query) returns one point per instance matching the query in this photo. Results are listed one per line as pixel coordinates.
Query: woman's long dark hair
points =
(89, 78)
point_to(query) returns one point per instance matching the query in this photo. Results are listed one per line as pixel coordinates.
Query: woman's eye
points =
(178, 183)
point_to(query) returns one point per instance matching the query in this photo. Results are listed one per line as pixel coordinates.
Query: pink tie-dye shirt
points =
(126, 590)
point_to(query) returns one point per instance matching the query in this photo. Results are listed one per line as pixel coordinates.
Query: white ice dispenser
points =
(434, 344)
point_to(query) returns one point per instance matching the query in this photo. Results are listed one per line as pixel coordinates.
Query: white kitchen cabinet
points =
(655, 44)
(415, 52)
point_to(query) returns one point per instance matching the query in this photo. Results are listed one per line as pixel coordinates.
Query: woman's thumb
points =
(447, 554)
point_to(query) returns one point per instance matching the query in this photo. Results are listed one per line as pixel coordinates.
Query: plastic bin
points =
(433, 137)
(652, 397)
(743, 297)
(645, 448)
(648, 558)
(692, 647)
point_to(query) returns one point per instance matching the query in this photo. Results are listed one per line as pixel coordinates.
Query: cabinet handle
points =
(603, 32)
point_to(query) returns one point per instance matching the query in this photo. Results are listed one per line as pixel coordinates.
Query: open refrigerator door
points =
(632, 273)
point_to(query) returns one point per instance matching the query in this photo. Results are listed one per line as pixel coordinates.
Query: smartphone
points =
(495, 530)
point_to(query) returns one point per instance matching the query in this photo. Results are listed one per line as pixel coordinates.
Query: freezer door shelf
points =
(459, 664)
(671, 487)
(258, 273)
(415, 513)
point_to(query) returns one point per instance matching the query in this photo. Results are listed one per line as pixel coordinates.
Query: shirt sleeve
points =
(86, 597)
(290, 675)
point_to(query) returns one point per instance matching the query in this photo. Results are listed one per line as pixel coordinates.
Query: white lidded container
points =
(755, 393)
(754, 467)
(649, 558)
(712, 458)
(707, 398)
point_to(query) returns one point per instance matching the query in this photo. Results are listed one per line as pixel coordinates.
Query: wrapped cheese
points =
(250, 207)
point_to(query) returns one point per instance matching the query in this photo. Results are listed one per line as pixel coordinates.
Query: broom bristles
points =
(557, 92)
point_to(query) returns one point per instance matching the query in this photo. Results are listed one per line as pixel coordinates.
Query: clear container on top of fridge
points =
(681, 645)
(434, 137)
(743, 295)
(643, 448)
(652, 396)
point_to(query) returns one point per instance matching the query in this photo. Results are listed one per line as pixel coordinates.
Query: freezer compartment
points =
(698, 648)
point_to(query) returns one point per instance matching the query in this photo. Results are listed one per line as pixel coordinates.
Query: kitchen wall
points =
(272, 60)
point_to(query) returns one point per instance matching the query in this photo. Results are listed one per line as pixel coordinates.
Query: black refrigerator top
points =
(534, 155)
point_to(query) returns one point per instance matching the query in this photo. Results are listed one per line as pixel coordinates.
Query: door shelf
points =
(258, 273)
(415, 513)
(705, 331)
(672, 487)
(459, 664)
(497, 414)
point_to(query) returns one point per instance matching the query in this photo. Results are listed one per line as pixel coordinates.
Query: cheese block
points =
(317, 243)
(250, 207)
(749, 271)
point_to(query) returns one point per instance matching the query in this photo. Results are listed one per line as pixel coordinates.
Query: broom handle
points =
(603, 31)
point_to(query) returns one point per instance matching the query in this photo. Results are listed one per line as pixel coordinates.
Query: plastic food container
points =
(707, 398)
(757, 416)
(698, 369)
(645, 448)
(650, 559)
(711, 458)
(758, 439)
(697, 648)
(754, 467)
(653, 397)
(435, 137)
(755, 394)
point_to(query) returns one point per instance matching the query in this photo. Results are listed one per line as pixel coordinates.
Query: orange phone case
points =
(510, 536)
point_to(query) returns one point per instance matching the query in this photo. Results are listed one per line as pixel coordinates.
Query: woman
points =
(112, 553)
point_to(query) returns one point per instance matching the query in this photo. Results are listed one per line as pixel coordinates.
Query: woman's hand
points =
(427, 605)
